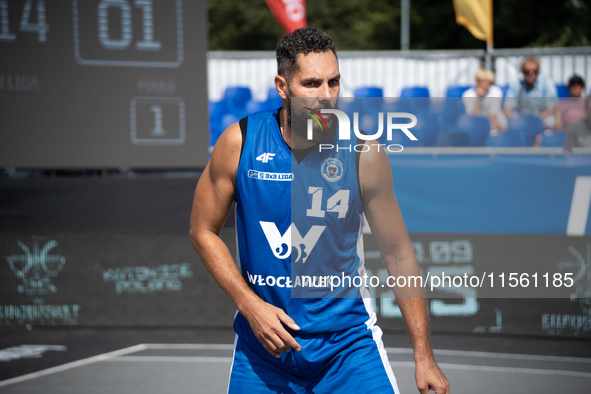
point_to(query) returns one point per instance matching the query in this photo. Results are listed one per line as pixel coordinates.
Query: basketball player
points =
(286, 344)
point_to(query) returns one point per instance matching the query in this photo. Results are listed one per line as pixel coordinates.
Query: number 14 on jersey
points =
(337, 203)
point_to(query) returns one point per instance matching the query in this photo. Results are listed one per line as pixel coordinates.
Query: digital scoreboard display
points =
(103, 83)
(154, 278)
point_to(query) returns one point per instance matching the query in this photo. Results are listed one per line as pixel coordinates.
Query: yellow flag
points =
(476, 16)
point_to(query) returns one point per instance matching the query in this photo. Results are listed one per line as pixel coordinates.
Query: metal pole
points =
(488, 58)
(489, 40)
(405, 25)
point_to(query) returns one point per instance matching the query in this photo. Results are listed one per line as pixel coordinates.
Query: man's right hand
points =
(266, 323)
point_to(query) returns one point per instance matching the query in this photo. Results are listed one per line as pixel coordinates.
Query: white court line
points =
(190, 346)
(194, 359)
(396, 350)
(116, 356)
(409, 364)
(579, 207)
(507, 356)
(484, 368)
(74, 364)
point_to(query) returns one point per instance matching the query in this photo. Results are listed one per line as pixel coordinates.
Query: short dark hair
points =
(576, 80)
(304, 41)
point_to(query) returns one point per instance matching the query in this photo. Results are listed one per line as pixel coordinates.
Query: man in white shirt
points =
(485, 99)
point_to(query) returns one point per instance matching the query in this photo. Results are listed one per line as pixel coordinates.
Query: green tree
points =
(241, 25)
(361, 25)
(529, 23)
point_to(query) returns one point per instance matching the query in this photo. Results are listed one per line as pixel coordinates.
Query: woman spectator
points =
(485, 99)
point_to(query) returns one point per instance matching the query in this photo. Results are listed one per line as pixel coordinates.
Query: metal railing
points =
(393, 70)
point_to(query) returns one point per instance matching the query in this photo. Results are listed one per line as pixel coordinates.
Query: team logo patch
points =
(332, 169)
(270, 176)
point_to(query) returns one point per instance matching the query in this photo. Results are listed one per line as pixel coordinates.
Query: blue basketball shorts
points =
(350, 361)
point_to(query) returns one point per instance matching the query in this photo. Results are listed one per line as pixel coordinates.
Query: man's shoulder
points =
(546, 84)
(494, 91)
(230, 140)
(374, 169)
(263, 115)
(469, 93)
(544, 79)
(258, 122)
(514, 87)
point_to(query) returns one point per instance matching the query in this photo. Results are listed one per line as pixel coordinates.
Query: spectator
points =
(485, 99)
(578, 134)
(534, 94)
(573, 109)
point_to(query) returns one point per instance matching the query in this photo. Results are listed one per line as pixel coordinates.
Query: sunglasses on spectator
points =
(530, 71)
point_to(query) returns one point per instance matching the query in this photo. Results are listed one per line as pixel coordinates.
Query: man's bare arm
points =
(213, 199)
(384, 217)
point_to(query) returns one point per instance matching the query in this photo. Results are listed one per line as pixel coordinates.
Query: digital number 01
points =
(147, 44)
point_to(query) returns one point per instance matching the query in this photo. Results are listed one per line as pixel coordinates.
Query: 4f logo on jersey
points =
(281, 245)
(265, 157)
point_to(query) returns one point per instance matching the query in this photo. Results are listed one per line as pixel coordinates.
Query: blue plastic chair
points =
(369, 124)
(217, 107)
(274, 100)
(477, 127)
(398, 137)
(215, 132)
(217, 110)
(453, 138)
(529, 125)
(369, 91)
(403, 105)
(397, 134)
(348, 106)
(228, 120)
(562, 91)
(504, 89)
(415, 91)
(253, 106)
(554, 139)
(236, 97)
(428, 128)
(456, 90)
(507, 139)
(448, 110)
(393, 106)
(417, 99)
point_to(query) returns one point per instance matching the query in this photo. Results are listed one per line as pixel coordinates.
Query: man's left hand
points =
(429, 377)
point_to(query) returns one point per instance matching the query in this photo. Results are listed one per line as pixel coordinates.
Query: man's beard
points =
(298, 121)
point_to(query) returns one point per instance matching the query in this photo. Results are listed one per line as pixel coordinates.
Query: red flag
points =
(290, 14)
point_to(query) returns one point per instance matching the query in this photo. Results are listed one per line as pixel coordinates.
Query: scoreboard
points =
(103, 83)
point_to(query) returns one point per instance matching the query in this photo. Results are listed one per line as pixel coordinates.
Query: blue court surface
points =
(198, 361)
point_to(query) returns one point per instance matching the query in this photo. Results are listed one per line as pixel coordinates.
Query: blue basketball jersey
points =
(296, 225)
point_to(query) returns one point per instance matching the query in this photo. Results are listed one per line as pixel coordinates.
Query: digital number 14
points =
(41, 27)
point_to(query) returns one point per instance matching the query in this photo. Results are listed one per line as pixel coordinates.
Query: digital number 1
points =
(4, 23)
(158, 130)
